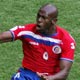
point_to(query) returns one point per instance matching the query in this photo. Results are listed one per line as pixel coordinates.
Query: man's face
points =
(44, 21)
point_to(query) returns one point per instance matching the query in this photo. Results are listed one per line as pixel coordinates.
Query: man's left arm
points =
(63, 74)
(66, 60)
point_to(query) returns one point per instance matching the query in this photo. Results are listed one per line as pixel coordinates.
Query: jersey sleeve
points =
(15, 31)
(68, 49)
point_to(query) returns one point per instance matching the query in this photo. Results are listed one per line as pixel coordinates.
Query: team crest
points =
(56, 49)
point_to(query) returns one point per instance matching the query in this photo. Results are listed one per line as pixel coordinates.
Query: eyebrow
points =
(41, 14)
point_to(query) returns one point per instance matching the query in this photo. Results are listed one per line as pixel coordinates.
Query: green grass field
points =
(20, 12)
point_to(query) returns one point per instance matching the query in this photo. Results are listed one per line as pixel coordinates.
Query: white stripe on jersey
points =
(39, 37)
(66, 59)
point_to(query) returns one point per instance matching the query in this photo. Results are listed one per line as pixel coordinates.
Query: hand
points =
(44, 76)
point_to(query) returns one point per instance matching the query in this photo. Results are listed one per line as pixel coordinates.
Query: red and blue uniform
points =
(42, 53)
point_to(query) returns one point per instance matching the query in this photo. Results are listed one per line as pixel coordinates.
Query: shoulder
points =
(26, 27)
(65, 35)
(66, 38)
(30, 26)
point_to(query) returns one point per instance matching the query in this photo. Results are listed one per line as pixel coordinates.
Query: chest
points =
(45, 47)
(42, 49)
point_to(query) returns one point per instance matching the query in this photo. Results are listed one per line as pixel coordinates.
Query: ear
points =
(54, 20)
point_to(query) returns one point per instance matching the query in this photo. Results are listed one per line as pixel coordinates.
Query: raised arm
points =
(5, 37)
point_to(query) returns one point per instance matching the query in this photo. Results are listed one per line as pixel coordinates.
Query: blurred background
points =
(21, 12)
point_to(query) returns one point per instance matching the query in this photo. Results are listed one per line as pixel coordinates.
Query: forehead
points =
(48, 10)
(43, 13)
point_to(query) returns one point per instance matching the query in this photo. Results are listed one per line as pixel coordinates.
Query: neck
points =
(51, 30)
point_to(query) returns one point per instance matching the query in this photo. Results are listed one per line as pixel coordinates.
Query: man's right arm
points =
(5, 37)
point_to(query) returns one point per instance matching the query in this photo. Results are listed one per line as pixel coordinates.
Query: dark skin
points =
(46, 21)
(46, 24)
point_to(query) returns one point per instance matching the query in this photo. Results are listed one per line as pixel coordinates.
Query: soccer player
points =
(48, 49)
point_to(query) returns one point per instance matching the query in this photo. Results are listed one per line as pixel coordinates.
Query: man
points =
(48, 49)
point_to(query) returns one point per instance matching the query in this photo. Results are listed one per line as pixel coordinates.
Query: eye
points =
(38, 15)
(41, 16)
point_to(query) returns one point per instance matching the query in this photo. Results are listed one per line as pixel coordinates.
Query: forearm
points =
(5, 37)
(3, 41)
(62, 75)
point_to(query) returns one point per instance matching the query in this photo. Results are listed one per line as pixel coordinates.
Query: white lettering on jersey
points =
(16, 27)
(21, 26)
(34, 43)
(72, 46)
(45, 56)
(17, 76)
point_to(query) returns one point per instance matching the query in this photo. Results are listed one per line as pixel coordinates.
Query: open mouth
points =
(38, 27)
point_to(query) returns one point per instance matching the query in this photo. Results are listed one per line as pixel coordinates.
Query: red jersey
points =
(42, 53)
